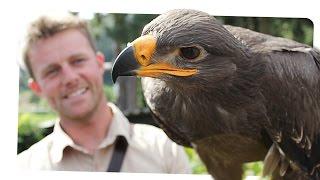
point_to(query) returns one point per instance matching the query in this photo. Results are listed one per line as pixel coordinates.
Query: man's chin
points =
(74, 115)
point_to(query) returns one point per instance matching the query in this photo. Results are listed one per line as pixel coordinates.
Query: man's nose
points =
(69, 76)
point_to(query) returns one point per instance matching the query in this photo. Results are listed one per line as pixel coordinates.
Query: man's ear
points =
(100, 58)
(34, 86)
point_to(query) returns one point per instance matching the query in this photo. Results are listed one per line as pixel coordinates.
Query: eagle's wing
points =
(292, 94)
(293, 105)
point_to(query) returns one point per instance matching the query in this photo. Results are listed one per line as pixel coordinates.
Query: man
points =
(61, 59)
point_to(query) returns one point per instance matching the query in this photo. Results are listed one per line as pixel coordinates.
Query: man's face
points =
(68, 73)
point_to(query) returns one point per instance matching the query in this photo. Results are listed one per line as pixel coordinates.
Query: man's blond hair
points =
(48, 26)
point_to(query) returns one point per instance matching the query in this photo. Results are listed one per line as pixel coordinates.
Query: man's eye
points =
(78, 61)
(52, 72)
(189, 52)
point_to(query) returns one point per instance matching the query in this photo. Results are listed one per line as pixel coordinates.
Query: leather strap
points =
(118, 154)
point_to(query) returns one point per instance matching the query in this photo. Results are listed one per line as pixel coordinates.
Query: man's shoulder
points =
(36, 156)
(38, 148)
(155, 144)
(144, 130)
(151, 135)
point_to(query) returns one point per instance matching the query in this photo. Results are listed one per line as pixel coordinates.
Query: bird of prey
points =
(233, 94)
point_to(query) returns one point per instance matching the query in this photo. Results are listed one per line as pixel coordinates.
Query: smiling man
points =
(67, 71)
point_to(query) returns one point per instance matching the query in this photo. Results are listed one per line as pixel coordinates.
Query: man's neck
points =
(90, 133)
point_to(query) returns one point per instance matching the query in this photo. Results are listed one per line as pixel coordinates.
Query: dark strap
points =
(118, 154)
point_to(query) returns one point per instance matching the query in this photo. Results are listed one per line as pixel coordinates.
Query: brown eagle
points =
(233, 94)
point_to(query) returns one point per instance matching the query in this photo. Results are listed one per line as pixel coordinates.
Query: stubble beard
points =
(85, 117)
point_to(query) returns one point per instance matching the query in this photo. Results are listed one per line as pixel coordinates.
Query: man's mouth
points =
(76, 93)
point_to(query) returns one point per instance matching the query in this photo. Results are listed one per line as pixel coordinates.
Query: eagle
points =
(232, 94)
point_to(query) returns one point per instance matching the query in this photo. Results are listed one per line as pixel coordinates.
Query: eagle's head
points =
(187, 47)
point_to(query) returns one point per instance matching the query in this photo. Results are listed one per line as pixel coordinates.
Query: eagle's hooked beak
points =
(136, 60)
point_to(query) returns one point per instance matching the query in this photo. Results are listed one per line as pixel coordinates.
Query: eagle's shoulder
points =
(293, 68)
(285, 58)
(260, 42)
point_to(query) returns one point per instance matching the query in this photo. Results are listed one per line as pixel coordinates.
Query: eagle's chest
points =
(230, 148)
(201, 117)
(198, 115)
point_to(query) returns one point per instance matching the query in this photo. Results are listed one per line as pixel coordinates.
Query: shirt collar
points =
(60, 140)
(119, 126)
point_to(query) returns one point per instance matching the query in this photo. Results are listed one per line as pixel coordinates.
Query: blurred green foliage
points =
(109, 92)
(195, 162)
(31, 128)
(253, 169)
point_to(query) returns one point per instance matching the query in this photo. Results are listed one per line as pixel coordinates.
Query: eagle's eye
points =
(189, 52)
